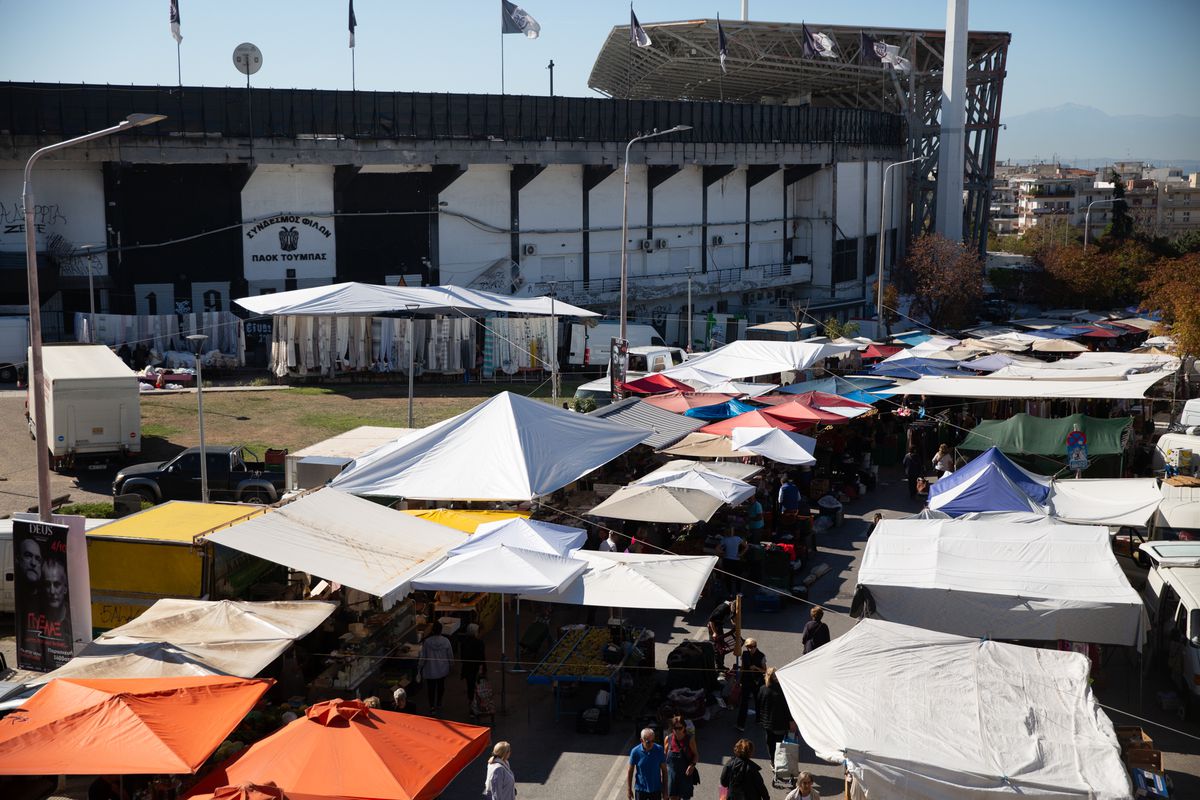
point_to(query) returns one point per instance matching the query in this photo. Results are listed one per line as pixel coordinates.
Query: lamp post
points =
(35, 304)
(197, 340)
(412, 348)
(1087, 216)
(883, 196)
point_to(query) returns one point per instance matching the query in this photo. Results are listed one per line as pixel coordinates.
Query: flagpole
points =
(353, 78)
(502, 60)
(179, 63)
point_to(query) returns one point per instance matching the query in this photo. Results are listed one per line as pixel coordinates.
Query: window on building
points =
(870, 255)
(845, 260)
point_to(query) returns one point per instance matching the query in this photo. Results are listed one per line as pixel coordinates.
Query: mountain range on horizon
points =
(1084, 136)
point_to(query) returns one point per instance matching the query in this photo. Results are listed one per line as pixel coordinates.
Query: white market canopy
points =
(347, 540)
(745, 359)
(931, 716)
(733, 491)
(365, 300)
(658, 504)
(525, 533)
(739, 388)
(733, 469)
(507, 448)
(1105, 501)
(776, 444)
(635, 580)
(705, 445)
(503, 569)
(1131, 387)
(984, 576)
(196, 637)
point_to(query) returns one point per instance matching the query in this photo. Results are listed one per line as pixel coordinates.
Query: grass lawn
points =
(297, 417)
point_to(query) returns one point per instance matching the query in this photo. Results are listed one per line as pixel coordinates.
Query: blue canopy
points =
(990, 482)
(916, 368)
(913, 338)
(838, 385)
(720, 411)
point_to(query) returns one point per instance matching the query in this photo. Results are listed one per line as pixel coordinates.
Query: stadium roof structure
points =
(765, 64)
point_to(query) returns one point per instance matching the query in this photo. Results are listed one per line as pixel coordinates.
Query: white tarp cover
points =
(733, 469)
(988, 577)
(733, 491)
(503, 569)
(705, 445)
(345, 539)
(635, 580)
(658, 504)
(507, 448)
(921, 715)
(1131, 388)
(739, 388)
(365, 299)
(744, 359)
(196, 637)
(1105, 501)
(776, 444)
(528, 534)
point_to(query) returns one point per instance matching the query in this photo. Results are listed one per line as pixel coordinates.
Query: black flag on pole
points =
(816, 44)
(637, 34)
(514, 19)
(175, 22)
(722, 44)
(353, 23)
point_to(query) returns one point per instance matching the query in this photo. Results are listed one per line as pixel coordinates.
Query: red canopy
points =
(810, 408)
(679, 402)
(342, 748)
(881, 350)
(751, 419)
(656, 383)
(124, 726)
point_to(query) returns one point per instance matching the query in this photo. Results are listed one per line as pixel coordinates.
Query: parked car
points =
(1172, 597)
(234, 473)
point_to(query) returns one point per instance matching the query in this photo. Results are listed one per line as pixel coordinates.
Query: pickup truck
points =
(643, 361)
(234, 473)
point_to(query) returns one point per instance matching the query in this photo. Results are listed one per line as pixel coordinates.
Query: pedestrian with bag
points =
(646, 778)
(751, 669)
(816, 632)
(912, 471)
(741, 778)
(434, 665)
(804, 789)
(682, 758)
(774, 716)
(500, 784)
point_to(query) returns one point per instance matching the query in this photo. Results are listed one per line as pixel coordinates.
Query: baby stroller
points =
(786, 764)
(484, 704)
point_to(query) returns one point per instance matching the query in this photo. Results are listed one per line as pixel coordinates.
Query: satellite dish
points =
(247, 58)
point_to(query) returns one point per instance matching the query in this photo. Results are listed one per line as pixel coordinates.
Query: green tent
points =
(1022, 434)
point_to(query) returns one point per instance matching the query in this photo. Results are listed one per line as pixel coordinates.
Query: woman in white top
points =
(804, 788)
(943, 462)
(499, 784)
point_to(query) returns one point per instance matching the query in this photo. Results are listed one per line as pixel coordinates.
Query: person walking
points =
(733, 548)
(774, 716)
(816, 632)
(755, 524)
(912, 470)
(741, 776)
(789, 496)
(682, 758)
(752, 667)
(434, 665)
(472, 657)
(500, 784)
(804, 789)
(647, 774)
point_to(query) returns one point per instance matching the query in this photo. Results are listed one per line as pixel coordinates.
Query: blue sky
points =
(1121, 56)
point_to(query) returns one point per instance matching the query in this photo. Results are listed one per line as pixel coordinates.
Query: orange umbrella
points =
(250, 791)
(341, 748)
(751, 419)
(124, 726)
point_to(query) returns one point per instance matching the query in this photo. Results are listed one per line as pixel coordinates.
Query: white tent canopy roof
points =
(504, 569)
(1131, 388)
(705, 445)
(196, 637)
(1105, 501)
(733, 469)
(658, 504)
(724, 488)
(508, 447)
(528, 534)
(983, 576)
(635, 580)
(345, 539)
(745, 359)
(739, 388)
(932, 716)
(365, 299)
(776, 444)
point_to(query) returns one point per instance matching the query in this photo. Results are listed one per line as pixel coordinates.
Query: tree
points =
(891, 301)
(836, 330)
(947, 278)
(1121, 227)
(1187, 243)
(1173, 287)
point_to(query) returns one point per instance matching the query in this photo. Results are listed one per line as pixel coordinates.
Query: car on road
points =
(234, 473)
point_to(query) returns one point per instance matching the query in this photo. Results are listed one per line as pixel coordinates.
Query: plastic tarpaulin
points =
(463, 520)
(744, 359)
(705, 445)
(726, 489)
(530, 534)
(507, 448)
(665, 427)
(931, 716)
(838, 385)
(716, 413)
(731, 468)
(781, 446)
(501, 568)
(988, 577)
(635, 580)
(679, 402)
(365, 299)
(189, 637)
(1022, 434)
(1131, 388)
(761, 418)
(1106, 501)
(658, 504)
(989, 482)
(345, 539)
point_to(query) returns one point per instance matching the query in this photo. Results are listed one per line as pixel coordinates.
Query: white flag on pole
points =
(175, 22)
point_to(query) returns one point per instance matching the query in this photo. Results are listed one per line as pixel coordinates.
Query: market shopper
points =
(755, 523)
(912, 471)
(789, 496)
(733, 549)
(647, 774)
(682, 758)
(816, 632)
(741, 776)
(804, 789)
(471, 655)
(436, 655)
(751, 668)
(943, 460)
(774, 716)
(500, 784)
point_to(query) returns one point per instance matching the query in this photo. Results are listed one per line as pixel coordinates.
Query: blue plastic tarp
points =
(838, 385)
(916, 368)
(990, 482)
(720, 411)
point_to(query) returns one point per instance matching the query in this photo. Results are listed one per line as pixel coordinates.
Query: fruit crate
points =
(577, 658)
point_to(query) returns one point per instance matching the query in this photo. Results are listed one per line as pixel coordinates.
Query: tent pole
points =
(503, 657)
(517, 639)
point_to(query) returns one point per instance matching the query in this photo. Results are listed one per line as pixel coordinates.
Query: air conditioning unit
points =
(660, 244)
(529, 249)
(718, 240)
(648, 245)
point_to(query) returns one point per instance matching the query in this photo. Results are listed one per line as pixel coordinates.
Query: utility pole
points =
(550, 67)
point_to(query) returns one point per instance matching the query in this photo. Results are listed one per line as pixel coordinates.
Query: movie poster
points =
(42, 589)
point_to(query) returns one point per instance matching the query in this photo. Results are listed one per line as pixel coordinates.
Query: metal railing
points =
(62, 110)
(701, 280)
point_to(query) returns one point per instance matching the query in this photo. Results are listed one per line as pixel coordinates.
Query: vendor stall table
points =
(578, 657)
(480, 607)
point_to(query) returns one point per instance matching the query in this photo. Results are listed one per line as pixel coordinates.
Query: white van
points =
(1190, 416)
(590, 346)
(643, 361)
(1179, 450)
(1172, 597)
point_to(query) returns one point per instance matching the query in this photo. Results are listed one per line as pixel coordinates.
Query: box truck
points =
(93, 406)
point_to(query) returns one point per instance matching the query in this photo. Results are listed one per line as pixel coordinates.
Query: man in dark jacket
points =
(751, 668)
(471, 656)
(816, 632)
(773, 713)
(741, 776)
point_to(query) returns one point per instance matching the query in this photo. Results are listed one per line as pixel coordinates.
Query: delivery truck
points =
(93, 406)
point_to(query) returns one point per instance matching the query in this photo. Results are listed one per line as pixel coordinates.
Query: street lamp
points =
(197, 340)
(883, 196)
(1087, 216)
(412, 346)
(35, 303)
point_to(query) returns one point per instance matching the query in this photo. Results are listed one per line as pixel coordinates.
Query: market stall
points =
(595, 657)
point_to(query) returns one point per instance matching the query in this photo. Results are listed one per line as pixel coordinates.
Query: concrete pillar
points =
(952, 137)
